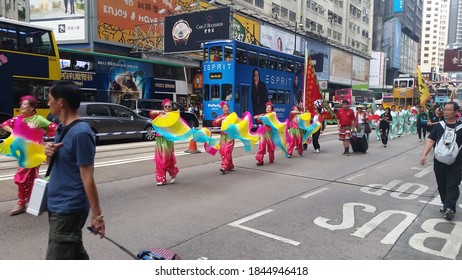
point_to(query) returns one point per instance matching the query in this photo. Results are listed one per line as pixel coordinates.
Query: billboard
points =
(277, 39)
(341, 65)
(245, 29)
(452, 60)
(360, 70)
(319, 53)
(187, 32)
(66, 18)
(118, 20)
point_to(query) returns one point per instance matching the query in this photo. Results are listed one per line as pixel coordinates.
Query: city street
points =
(326, 206)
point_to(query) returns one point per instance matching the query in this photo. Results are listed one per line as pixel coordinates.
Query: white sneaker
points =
(420, 140)
(160, 183)
(172, 180)
(317, 151)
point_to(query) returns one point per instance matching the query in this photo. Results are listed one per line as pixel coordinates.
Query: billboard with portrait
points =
(277, 39)
(187, 32)
(67, 18)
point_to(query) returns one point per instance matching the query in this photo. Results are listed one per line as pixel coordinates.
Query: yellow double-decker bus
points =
(405, 91)
(29, 63)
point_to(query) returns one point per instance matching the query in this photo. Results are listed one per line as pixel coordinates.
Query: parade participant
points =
(226, 143)
(378, 112)
(317, 118)
(71, 191)
(448, 176)
(368, 124)
(164, 156)
(361, 119)
(404, 116)
(422, 120)
(401, 120)
(296, 134)
(265, 140)
(439, 116)
(24, 177)
(394, 122)
(385, 120)
(346, 121)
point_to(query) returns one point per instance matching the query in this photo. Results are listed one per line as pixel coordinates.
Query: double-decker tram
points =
(405, 91)
(29, 64)
(247, 76)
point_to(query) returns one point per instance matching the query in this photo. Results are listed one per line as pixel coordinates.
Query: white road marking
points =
(314, 193)
(424, 171)
(266, 234)
(382, 166)
(355, 176)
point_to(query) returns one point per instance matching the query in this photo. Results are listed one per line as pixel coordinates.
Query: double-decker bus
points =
(248, 76)
(405, 91)
(29, 63)
(354, 96)
(113, 78)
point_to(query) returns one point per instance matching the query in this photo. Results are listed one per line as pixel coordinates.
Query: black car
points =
(144, 106)
(112, 121)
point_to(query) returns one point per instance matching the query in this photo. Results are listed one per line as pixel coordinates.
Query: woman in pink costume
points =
(164, 156)
(265, 139)
(226, 143)
(295, 132)
(25, 177)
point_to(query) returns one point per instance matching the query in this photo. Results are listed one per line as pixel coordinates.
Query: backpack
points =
(446, 149)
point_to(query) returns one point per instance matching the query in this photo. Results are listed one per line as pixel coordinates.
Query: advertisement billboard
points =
(319, 53)
(341, 65)
(245, 29)
(360, 70)
(187, 32)
(277, 39)
(66, 18)
(118, 20)
(452, 60)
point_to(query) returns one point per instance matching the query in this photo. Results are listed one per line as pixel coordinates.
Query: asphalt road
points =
(326, 206)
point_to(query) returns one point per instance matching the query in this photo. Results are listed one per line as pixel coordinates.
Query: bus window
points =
(228, 53)
(241, 56)
(205, 54)
(273, 61)
(215, 93)
(216, 53)
(206, 94)
(253, 58)
(263, 60)
(226, 92)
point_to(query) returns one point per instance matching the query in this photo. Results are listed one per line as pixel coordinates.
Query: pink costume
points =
(296, 134)
(226, 146)
(265, 141)
(25, 177)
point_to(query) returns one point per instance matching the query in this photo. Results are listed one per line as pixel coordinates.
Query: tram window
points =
(215, 93)
(253, 58)
(273, 61)
(272, 95)
(290, 66)
(237, 94)
(263, 60)
(411, 83)
(216, 53)
(226, 92)
(228, 53)
(206, 54)
(281, 64)
(241, 56)
(206, 94)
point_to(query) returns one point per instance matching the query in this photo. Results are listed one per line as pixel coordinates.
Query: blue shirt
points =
(66, 193)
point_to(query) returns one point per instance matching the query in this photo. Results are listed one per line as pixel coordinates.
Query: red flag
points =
(311, 91)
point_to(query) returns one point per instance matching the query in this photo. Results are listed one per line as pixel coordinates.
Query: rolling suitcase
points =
(359, 142)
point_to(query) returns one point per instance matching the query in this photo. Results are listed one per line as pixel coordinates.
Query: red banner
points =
(312, 93)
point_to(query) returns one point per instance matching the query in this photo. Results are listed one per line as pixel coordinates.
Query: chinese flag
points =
(311, 87)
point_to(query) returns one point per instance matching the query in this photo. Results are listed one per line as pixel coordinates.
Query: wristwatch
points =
(181, 32)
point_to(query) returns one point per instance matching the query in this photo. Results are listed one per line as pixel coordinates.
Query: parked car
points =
(113, 121)
(144, 106)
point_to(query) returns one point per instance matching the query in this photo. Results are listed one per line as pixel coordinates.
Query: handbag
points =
(367, 128)
(38, 198)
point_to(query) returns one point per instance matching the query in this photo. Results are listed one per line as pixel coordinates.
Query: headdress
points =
(268, 104)
(31, 99)
(223, 103)
(166, 100)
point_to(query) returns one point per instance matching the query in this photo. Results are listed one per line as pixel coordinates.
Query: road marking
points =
(355, 176)
(381, 166)
(314, 193)
(266, 234)
(424, 171)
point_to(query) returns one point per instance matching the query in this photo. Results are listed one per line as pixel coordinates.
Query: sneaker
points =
(384, 146)
(449, 214)
(442, 210)
(347, 154)
(420, 140)
(161, 183)
(172, 180)
(317, 151)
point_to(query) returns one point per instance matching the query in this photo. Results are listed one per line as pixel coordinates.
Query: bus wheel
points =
(150, 134)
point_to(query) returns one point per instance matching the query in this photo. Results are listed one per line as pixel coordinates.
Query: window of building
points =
(260, 3)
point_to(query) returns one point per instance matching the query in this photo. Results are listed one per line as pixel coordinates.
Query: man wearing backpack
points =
(447, 171)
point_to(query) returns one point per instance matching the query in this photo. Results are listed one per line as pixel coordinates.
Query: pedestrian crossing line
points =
(314, 193)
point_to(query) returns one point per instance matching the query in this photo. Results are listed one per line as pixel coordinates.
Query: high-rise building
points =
(10, 8)
(455, 22)
(434, 35)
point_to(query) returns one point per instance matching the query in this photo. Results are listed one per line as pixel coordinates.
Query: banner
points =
(245, 29)
(423, 89)
(312, 96)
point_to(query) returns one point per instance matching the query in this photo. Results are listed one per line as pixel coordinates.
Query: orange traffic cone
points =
(192, 148)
